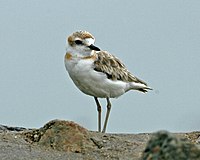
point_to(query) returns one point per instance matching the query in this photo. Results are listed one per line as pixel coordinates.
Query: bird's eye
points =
(78, 42)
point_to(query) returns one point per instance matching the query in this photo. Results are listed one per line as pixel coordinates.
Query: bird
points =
(97, 72)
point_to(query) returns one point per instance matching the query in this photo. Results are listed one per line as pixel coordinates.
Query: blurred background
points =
(157, 40)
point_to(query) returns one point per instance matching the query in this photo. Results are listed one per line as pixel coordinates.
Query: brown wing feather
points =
(114, 68)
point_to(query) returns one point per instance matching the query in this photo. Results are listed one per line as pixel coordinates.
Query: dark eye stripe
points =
(78, 42)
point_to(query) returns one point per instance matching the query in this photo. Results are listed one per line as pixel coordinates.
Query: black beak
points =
(92, 47)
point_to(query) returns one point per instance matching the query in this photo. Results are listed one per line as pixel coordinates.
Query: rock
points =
(194, 137)
(165, 146)
(62, 136)
(6, 128)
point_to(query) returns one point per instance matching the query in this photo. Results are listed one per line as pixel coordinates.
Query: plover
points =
(97, 72)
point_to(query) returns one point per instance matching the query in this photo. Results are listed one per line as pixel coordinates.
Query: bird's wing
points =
(114, 68)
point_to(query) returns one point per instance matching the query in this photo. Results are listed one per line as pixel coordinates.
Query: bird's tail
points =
(140, 87)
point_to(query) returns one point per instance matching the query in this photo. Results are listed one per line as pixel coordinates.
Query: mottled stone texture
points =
(165, 146)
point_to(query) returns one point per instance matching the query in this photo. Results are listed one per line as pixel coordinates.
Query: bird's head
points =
(82, 42)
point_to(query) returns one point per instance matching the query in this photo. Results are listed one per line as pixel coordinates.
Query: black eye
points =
(78, 42)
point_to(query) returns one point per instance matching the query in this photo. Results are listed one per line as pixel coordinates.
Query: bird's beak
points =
(93, 47)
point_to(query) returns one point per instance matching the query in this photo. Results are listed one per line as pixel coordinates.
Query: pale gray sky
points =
(157, 40)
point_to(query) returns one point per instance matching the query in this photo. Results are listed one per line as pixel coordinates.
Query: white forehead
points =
(89, 41)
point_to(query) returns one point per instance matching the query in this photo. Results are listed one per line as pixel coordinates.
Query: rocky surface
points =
(166, 146)
(61, 140)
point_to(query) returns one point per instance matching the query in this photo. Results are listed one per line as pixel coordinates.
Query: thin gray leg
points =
(107, 115)
(99, 113)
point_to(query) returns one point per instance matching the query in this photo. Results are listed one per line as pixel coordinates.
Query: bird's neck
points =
(78, 53)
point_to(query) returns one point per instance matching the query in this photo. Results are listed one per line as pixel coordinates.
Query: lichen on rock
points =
(165, 146)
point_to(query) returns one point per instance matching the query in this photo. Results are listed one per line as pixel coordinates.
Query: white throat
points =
(78, 52)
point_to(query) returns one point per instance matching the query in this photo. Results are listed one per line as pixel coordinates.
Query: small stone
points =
(198, 140)
(104, 141)
(35, 136)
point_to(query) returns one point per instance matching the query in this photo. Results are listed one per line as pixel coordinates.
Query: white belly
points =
(92, 82)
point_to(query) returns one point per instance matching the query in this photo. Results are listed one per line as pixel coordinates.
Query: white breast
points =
(91, 82)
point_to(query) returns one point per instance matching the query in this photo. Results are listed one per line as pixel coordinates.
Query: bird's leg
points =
(99, 113)
(107, 115)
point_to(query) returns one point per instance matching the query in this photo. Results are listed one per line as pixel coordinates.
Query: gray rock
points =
(7, 128)
(166, 146)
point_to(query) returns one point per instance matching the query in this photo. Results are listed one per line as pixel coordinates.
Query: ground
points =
(61, 140)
